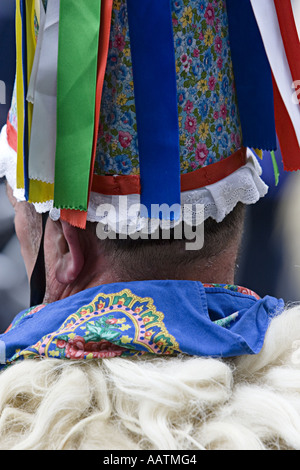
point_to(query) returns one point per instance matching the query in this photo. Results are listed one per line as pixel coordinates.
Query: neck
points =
(219, 269)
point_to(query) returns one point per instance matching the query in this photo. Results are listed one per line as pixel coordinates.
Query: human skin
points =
(76, 260)
(28, 230)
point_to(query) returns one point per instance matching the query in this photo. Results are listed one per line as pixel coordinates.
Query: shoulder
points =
(178, 403)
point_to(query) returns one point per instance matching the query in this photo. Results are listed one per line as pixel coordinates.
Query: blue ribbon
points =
(24, 60)
(154, 75)
(253, 77)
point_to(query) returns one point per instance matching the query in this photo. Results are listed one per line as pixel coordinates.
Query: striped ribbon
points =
(290, 36)
(289, 143)
(288, 140)
(278, 37)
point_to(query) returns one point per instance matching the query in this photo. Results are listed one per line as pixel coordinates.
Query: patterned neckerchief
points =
(135, 318)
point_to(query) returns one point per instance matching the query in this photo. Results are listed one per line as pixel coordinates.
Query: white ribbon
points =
(42, 93)
(32, 83)
(296, 10)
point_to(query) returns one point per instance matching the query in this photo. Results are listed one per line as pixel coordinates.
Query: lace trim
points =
(121, 214)
(215, 201)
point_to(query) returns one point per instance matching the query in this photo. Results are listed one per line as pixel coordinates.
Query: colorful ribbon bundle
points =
(60, 77)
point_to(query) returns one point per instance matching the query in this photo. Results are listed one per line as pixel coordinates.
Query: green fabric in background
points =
(275, 167)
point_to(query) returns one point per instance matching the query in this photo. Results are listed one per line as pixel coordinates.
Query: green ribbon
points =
(79, 25)
(275, 167)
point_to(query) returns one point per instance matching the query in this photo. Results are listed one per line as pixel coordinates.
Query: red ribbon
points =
(287, 137)
(210, 174)
(289, 34)
(286, 134)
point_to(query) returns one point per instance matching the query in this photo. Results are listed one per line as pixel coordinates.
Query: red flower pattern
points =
(77, 348)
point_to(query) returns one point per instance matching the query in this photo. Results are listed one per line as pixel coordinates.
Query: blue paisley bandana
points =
(136, 318)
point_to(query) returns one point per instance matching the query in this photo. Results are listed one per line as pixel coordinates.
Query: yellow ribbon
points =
(40, 191)
(259, 153)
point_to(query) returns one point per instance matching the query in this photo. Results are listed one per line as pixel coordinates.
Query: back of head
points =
(169, 257)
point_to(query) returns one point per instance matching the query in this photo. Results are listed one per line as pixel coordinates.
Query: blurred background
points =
(268, 257)
(14, 289)
(269, 260)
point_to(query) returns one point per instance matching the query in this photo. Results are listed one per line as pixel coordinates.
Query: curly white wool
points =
(182, 403)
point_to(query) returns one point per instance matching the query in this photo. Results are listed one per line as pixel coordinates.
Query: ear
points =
(70, 259)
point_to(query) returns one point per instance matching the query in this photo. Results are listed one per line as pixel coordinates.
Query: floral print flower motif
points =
(119, 42)
(205, 90)
(123, 165)
(178, 6)
(114, 324)
(189, 107)
(187, 16)
(203, 131)
(218, 45)
(212, 83)
(125, 139)
(208, 37)
(201, 153)
(78, 348)
(190, 124)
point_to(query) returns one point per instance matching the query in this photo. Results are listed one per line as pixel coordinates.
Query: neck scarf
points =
(145, 317)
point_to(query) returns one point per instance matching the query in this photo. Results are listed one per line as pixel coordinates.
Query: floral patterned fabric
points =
(234, 288)
(120, 324)
(111, 325)
(137, 318)
(208, 114)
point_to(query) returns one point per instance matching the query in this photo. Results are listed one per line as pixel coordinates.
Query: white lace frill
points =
(121, 214)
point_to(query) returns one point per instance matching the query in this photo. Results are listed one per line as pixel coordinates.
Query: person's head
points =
(76, 259)
(182, 136)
